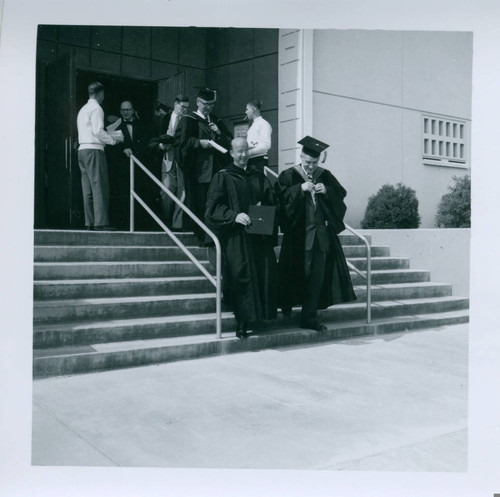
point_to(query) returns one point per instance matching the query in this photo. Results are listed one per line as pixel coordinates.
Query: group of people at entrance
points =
(221, 180)
(180, 148)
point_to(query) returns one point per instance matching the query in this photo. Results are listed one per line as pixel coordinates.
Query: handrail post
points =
(217, 282)
(132, 189)
(368, 284)
(218, 292)
(368, 272)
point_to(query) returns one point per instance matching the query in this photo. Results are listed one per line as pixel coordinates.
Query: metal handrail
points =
(215, 281)
(368, 275)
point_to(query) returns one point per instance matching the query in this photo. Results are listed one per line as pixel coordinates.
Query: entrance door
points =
(169, 88)
(58, 133)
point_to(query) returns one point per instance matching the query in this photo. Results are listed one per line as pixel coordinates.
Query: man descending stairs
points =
(114, 300)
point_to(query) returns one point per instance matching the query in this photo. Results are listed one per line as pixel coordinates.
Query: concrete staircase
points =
(114, 300)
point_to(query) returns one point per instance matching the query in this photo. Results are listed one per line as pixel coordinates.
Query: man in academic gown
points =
(250, 271)
(196, 155)
(134, 143)
(312, 267)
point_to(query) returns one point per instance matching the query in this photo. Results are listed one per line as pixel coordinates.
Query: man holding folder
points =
(240, 210)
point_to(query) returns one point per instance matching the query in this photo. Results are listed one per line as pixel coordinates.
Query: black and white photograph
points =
(254, 256)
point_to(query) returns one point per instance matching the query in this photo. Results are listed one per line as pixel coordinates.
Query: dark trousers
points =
(95, 186)
(314, 262)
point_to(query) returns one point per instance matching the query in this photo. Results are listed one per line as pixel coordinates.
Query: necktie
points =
(313, 193)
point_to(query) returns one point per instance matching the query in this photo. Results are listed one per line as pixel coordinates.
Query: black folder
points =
(262, 217)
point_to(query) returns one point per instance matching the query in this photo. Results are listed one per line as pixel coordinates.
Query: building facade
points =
(394, 106)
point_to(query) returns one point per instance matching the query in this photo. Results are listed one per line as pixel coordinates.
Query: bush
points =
(454, 207)
(392, 207)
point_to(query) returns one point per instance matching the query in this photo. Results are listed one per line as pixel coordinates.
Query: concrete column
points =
(295, 104)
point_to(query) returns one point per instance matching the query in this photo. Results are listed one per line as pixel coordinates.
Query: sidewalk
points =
(395, 402)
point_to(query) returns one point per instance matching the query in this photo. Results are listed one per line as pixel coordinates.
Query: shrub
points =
(392, 207)
(454, 207)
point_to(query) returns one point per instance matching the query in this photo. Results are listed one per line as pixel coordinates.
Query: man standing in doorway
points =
(196, 154)
(134, 143)
(171, 174)
(92, 160)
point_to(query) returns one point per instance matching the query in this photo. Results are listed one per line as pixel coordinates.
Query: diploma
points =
(215, 145)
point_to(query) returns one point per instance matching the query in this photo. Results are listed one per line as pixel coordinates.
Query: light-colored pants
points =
(95, 186)
(174, 181)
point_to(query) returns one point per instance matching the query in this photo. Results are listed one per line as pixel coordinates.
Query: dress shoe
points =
(313, 325)
(241, 330)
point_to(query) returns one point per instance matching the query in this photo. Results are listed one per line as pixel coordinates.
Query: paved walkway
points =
(394, 402)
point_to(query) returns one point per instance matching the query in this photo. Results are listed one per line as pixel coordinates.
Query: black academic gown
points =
(250, 271)
(119, 171)
(199, 164)
(337, 285)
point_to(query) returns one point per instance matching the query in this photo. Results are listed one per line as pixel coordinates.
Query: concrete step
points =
(103, 238)
(79, 237)
(97, 253)
(357, 251)
(118, 308)
(130, 269)
(144, 269)
(128, 287)
(108, 356)
(402, 291)
(45, 311)
(385, 276)
(381, 263)
(120, 287)
(147, 328)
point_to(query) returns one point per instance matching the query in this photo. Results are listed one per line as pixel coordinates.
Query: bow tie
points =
(128, 122)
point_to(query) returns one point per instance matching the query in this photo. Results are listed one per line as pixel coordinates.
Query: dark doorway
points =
(62, 91)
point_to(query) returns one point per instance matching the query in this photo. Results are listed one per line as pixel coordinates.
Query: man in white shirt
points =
(171, 174)
(92, 160)
(258, 137)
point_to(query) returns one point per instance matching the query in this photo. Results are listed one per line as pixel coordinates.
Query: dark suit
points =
(200, 164)
(119, 171)
(312, 266)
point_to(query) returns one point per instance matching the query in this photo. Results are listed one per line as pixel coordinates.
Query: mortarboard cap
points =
(207, 95)
(312, 147)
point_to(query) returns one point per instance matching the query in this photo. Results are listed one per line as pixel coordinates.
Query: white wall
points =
(370, 89)
(445, 252)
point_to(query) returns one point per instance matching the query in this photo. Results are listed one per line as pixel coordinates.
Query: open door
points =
(58, 138)
(169, 88)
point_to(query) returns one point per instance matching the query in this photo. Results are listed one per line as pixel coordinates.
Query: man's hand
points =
(243, 219)
(320, 188)
(128, 152)
(307, 186)
(214, 128)
(205, 144)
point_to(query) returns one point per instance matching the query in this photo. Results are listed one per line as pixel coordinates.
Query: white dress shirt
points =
(259, 137)
(90, 124)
